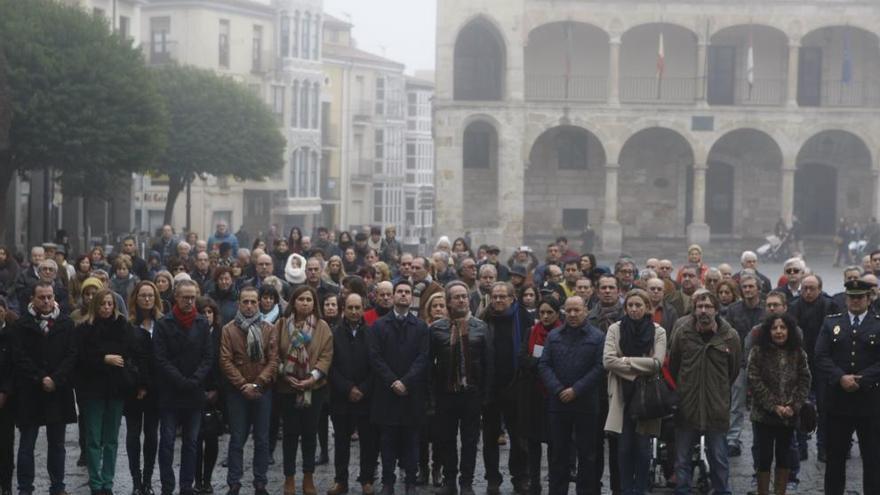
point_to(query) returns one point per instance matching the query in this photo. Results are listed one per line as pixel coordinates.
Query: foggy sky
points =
(405, 28)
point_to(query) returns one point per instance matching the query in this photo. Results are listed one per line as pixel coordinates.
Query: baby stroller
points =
(663, 461)
(775, 249)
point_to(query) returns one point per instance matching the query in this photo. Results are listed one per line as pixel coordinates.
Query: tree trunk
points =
(6, 175)
(175, 186)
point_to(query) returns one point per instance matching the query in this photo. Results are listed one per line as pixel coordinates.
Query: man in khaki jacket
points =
(249, 361)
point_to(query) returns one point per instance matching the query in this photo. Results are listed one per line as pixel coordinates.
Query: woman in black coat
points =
(107, 375)
(208, 446)
(141, 407)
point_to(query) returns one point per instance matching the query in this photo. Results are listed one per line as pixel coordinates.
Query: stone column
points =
(698, 230)
(612, 233)
(793, 73)
(511, 188)
(614, 72)
(702, 72)
(788, 171)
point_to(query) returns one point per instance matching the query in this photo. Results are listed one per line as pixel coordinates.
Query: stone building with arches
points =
(551, 115)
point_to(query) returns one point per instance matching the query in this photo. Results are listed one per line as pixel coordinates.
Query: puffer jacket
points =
(704, 371)
(777, 377)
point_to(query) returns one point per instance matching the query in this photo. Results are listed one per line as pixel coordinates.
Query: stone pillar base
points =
(612, 238)
(698, 233)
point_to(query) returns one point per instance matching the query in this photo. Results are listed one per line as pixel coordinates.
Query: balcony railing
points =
(763, 91)
(856, 93)
(574, 88)
(652, 89)
(160, 51)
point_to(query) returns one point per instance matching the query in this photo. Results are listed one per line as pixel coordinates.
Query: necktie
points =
(855, 323)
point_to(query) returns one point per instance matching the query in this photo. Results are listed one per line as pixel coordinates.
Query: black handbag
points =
(807, 418)
(212, 422)
(652, 398)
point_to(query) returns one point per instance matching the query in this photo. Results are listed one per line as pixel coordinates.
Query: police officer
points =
(848, 358)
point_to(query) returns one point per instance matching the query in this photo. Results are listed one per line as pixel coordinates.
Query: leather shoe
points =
(338, 489)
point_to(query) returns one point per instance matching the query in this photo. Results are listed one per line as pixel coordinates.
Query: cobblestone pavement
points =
(810, 477)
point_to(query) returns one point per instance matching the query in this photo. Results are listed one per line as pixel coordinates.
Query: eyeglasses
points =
(791, 271)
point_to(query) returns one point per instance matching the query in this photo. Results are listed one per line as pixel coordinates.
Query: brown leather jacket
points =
(235, 362)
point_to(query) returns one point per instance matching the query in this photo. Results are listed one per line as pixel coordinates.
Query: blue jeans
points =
(716, 451)
(54, 458)
(737, 408)
(248, 416)
(634, 459)
(189, 420)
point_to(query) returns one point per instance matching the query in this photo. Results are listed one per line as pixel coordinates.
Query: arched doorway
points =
(566, 61)
(480, 175)
(834, 179)
(811, 182)
(653, 192)
(564, 184)
(639, 81)
(839, 67)
(729, 81)
(479, 67)
(743, 184)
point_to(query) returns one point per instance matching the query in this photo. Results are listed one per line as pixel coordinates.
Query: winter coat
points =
(743, 318)
(35, 355)
(227, 301)
(97, 379)
(532, 399)
(351, 368)
(236, 364)
(399, 350)
(704, 371)
(123, 286)
(618, 370)
(777, 377)
(573, 358)
(481, 354)
(8, 274)
(185, 361)
(320, 353)
(146, 377)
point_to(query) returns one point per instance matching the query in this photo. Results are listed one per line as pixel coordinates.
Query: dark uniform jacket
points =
(843, 350)
(480, 354)
(351, 368)
(399, 350)
(35, 355)
(185, 362)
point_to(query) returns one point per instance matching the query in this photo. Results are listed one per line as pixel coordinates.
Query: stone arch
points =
(639, 81)
(480, 168)
(839, 66)
(728, 75)
(564, 183)
(566, 60)
(743, 177)
(480, 62)
(654, 193)
(835, 178)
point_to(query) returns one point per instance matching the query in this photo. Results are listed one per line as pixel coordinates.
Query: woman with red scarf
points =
(534, 398)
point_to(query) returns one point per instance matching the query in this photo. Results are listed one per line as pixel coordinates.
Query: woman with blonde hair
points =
(334, 271)
(305, 353)
(141, 407)
(383, 273)
(108, 373)
(635, 346)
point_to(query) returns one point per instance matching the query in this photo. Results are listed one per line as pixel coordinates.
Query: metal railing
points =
(652, 89)
(560, 87)
(855, 93)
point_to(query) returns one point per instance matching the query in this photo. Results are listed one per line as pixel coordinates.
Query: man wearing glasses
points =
(848, 360)
(794, 272)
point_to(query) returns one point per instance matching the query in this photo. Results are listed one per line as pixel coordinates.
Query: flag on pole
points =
(846, 68)
(750, 65)
(568, 51)
(661, 58)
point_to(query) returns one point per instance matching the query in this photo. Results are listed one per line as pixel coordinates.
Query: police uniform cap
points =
(858, 287)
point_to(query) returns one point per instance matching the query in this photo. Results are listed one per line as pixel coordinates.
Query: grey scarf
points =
(254, 328)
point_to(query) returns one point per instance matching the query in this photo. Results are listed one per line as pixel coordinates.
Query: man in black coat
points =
(461, 350)
(399, 355)
(183, 349)
(44, 354)
(351, 385)
(510, 325)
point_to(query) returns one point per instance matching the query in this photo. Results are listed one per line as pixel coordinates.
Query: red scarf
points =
(185, 319)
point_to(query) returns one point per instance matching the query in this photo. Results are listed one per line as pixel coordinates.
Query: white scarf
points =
(45, 319)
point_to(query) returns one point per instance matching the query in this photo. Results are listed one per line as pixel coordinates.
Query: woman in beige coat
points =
(634, 346)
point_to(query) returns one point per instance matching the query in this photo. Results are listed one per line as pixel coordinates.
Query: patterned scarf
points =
(254, 329)
(297, 362)
(273, 314)
(46, 320)
(459, 355)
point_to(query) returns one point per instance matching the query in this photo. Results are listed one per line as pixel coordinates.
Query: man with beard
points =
(744, 315)
(704, 359)
(571, 272)
(607, 312)
(383, 302)
(463, 367)
(625, 271)
(509, 325)
(571, 370)
(480, 299)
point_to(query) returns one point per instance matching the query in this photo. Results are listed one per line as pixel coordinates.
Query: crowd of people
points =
(421, 358)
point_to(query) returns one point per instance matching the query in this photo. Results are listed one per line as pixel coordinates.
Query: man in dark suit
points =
(399, 355)
(351, 385)
(848, 361)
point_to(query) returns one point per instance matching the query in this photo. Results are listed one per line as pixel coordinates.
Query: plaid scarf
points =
(253, 327)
